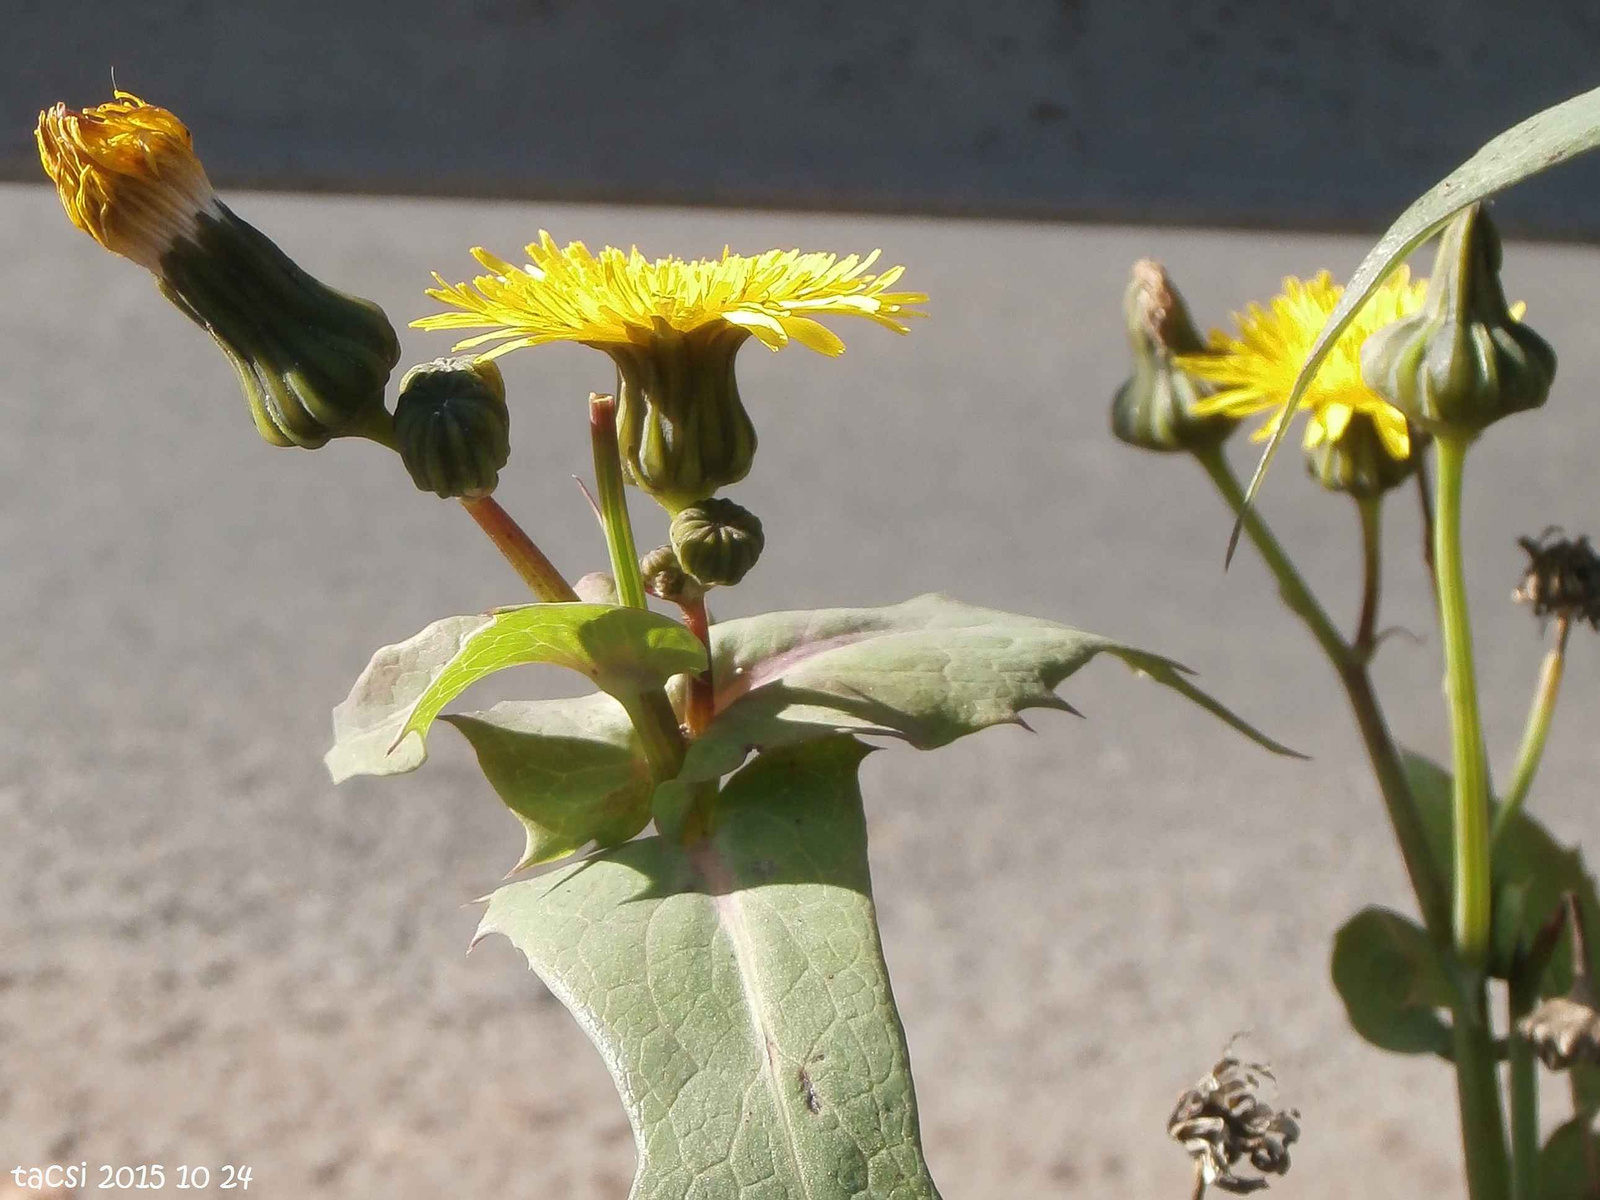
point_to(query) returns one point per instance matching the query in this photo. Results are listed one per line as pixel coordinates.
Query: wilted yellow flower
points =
(1256, 370)
(673, 328)
(312, 361)
(126, 173)
(568, 294)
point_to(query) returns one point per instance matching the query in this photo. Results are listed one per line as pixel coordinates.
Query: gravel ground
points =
(209, 955)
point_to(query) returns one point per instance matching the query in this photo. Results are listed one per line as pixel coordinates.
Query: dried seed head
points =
(1564, 1030)
(1222, 1121)
(1562, 578)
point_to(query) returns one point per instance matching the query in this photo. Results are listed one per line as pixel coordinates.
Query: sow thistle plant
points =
(1384, 376)
(706, 910)
(727, 963)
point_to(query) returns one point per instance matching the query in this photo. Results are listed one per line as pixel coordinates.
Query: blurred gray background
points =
(1236, 112)
(208, 954)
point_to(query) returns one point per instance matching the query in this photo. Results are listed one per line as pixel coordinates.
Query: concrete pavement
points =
(208, 954)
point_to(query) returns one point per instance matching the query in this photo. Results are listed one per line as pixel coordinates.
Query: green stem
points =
(1471, 808)
(1483, 1135)
(651, 711)
(1370, 509)
(614, 501)
(1404, 818)
(659, 735)
(1522, 995)
(1536, 731)
(1477, 1078)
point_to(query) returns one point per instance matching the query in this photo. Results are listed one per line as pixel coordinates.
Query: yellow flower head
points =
(1257, 369)
(126, 173)
(616, 298)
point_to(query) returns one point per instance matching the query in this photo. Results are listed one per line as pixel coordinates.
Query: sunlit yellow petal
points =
(568, 293)
(1256, 366)
(127, 175)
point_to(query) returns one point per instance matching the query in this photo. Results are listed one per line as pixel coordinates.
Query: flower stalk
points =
(1536, 731)
(1370, 509)
(1471, 801)
(526, 559)
(613, 501)
(702, 689)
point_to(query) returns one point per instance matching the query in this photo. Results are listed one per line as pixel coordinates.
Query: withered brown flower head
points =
(1222, 1121)
(1562, 579)
(1563, 1030)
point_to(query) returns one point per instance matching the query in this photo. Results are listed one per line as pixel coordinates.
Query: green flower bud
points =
(312, 361)
(453, 427)
(1154, 409)
(717, 541)
(665, 577)
(597, 587)
(1463, 361)
(681, 428)
(1356, 461)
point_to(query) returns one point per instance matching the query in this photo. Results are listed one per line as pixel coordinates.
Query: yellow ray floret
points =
(568, 294)
(126, 173)
(1256, 369)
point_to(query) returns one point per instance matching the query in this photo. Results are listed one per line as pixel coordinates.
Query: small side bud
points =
(1463, 361)
(717, 541)
(665, 578)
(1154, 409)
(597, 587)
(453, 427)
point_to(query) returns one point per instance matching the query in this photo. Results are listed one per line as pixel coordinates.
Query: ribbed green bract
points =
(1462, 361)
(453, 427)
(312, 361)
(1357, 463)
(682, 429)
(717, 541)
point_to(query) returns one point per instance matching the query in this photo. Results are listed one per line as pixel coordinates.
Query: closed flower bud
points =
(1357, 462)
(665, 577)
(1154, 409)
(1463, 361)
(717, 541)
(312, 361)
(452, 426)
(681, 428)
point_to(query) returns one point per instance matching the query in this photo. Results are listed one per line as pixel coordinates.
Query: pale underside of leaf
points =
(738, 994)
(366, 724)
(1546, 139)
(380, 728)
(927, 671)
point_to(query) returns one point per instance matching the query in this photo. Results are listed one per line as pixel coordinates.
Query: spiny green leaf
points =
(1544, 140)
(1389, 974)
(737, 992)
(570, 770)
(381, 726)
(929, 670)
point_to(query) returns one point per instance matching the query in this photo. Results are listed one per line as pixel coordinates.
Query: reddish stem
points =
(702, 694)
(525, 558)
